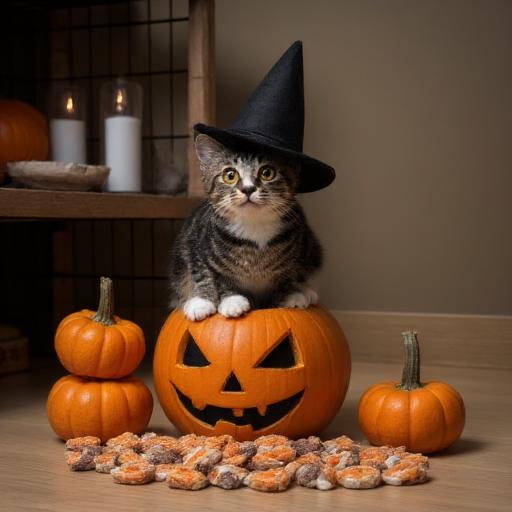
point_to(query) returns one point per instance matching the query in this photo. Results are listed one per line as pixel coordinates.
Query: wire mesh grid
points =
(87, 45)
(144, 40)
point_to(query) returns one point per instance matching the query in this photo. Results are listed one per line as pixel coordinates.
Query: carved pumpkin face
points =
(272, 371)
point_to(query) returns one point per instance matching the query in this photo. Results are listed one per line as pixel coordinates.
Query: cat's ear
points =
(208, 150)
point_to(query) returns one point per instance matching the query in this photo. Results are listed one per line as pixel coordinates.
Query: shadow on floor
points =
(463, 446)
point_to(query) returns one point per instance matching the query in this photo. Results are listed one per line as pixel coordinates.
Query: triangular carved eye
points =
(281, 356)
(193, 355)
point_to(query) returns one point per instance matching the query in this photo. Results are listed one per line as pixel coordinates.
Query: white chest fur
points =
(256, 226)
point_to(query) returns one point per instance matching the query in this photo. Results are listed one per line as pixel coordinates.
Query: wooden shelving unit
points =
(44, 204)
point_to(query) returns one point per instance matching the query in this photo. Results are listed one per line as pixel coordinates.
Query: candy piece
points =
(180, 477)
(236, 460)
(147, 435)
(340, 444)
(248, 448)
(227, 476)
(128, 457)
(405, 473)
(81, 460)
(391, 461)
(307, 474)
(271, 441)
(135, 473)
(341, 460)
(276, 457)
(160, 454)
(168, 442)
(105, 462)
(271, 480)
(77, 444)
(307, 445)
(358, 477)
(375, 457)
(418, 458)
(162, 471)
(316, 476)
(126, 441)
(218, 442)
(189, 442)
(233, 448)
(308, 458)
(326, 479)
(202, 459)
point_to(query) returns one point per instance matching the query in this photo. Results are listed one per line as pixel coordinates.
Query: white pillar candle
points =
(123, 143)
(68, 140)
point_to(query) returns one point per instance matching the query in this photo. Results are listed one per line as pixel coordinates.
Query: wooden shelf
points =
(47, 204)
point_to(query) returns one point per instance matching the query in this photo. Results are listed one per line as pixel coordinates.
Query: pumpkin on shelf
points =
(103, 408)
(99, 344)
(23, 132)
(425, 417)
(280, 371)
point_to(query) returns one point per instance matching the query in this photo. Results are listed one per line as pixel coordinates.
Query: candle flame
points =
(70, 107)
(120, 101)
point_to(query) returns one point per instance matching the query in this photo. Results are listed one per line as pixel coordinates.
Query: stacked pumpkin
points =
(99, 398)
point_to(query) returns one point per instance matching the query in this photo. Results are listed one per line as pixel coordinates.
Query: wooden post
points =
(201, 80)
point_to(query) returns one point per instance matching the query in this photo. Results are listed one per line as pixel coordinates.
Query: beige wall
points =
(411, 102)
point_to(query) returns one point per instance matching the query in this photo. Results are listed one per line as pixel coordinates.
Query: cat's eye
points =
(230, 176)
(267, 173)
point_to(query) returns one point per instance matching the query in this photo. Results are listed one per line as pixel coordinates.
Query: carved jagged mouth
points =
(212, 414)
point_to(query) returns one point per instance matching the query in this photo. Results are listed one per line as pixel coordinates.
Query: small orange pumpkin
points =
(23, 132)
(425, 417)
(99, 344)
(102, 408)
(279, 370)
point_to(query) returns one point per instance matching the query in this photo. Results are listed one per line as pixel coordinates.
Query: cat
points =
(248, 245)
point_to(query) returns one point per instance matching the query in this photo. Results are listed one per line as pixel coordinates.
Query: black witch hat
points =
(272, 120)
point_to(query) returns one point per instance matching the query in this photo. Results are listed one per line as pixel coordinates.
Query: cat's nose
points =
(248, 190)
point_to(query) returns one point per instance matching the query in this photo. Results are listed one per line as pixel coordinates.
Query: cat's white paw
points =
(311, 295)
(233, 306)
(198, 308)
(300, 299)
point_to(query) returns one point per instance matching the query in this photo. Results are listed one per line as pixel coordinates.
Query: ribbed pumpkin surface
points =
(23, 132)
(84, 407)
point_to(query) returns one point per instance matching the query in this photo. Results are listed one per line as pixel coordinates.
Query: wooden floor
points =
(473, 475)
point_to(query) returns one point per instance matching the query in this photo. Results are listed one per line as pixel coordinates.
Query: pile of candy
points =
(270, 463)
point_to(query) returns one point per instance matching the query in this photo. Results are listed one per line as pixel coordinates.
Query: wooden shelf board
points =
(48, 204)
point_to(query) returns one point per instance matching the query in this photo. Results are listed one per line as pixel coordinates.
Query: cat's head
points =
(245, 183)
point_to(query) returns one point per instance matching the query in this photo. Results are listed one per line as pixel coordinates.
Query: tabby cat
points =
(248, 245)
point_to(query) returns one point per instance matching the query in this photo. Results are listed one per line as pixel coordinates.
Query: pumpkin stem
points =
(105, 313)
(411, 370)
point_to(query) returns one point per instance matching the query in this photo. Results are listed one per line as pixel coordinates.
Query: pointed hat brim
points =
(314, 174)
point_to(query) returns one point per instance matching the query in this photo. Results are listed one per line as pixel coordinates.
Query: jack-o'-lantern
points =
(280, 371)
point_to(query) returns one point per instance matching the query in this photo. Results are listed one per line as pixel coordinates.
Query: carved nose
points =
(248, 190)
(232, 384)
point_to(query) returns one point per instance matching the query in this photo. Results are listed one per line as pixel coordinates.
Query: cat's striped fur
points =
(248, 244)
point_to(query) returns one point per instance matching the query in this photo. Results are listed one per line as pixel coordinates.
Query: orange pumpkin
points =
(425, 417)
(280, 371)
(103, 408)
(23, 132)
(99, 344)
